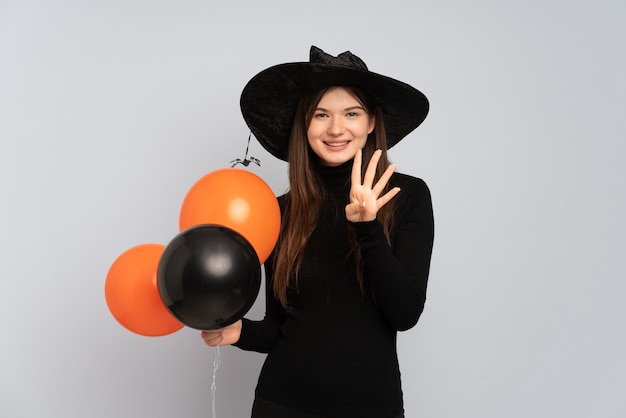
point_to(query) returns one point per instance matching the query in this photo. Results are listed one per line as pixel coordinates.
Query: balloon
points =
(132, 294)
(239, 200)
(209, 276)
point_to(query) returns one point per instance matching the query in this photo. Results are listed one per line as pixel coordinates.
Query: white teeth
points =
(336, 144)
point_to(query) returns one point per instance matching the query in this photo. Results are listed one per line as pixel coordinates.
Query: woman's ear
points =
(372, 125)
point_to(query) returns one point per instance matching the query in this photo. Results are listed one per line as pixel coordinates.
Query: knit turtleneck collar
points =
(337, 178)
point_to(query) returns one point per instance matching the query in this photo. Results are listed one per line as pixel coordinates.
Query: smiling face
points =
(339, 127)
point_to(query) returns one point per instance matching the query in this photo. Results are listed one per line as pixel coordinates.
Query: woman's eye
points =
(320, 115)
(352, 114)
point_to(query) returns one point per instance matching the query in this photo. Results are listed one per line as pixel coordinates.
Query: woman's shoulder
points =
(414, 193)
(414, 202)
(282, 201)
(410, 183)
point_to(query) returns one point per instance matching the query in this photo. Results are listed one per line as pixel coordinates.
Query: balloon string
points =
(216, 365)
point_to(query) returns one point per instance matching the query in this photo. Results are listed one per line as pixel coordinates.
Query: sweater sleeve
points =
(399, 272)
(260, 335)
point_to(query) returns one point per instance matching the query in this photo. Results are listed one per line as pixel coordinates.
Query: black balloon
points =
(209, 276)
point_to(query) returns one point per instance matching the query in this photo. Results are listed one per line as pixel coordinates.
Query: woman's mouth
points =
(337, 144)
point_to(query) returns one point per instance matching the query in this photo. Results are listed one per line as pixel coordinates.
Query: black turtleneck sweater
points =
(333, 353)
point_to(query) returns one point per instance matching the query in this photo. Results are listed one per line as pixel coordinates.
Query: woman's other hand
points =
(364, 195)
(223, 336)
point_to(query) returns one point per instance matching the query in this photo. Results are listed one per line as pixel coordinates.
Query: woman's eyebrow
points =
(357, 107)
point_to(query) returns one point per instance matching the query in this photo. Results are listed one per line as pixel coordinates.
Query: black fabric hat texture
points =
(268, 101)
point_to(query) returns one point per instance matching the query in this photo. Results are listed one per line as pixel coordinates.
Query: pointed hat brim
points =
(268, 101)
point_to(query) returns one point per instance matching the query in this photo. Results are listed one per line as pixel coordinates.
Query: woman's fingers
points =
(212, 338)
(224, 336)
(364, 195)
(370, 173)
(387, 197)
(356, 167)
(384, 179)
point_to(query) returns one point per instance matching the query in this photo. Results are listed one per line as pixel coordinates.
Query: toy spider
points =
(246, 161)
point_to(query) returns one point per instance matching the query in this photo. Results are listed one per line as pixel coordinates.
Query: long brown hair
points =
(304, 201)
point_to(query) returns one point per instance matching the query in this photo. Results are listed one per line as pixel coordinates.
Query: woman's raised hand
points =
(364, 195)
(223, 336)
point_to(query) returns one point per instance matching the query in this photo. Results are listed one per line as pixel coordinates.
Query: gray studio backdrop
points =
(111, 110)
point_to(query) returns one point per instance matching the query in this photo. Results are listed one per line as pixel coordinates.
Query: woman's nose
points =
(335, 127)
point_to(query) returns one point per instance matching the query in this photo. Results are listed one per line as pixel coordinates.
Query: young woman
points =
(351, 264)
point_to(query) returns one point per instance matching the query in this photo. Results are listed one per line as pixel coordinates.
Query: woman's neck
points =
(336, 178)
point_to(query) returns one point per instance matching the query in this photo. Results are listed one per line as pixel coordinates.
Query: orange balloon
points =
(236, 199)
(132, 292)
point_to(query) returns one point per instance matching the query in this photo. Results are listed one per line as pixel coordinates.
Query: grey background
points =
(110, 111)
